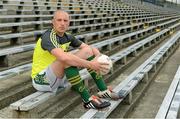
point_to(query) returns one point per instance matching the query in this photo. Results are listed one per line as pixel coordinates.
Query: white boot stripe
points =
(104, 95)
(108, 95)
(89, 106)
(92, 105)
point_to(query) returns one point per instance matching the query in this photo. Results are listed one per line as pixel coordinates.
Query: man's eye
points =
(59, 20)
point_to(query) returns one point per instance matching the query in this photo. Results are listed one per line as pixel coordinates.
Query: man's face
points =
(61, 22)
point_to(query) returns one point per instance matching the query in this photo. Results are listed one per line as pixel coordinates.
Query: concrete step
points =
(15, 88)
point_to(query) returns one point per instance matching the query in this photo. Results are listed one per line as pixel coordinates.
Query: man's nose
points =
(62, 23)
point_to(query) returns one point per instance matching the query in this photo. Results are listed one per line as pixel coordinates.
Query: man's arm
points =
(72, 60)
(94, 50)
(69, 58)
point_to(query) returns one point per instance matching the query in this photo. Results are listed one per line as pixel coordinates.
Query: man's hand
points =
(98, 66)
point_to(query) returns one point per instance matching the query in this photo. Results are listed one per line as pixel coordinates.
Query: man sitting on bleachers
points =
(51, 60)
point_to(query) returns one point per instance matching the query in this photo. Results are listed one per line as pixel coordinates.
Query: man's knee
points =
(87, 51)
(59, 64)
(58, 68)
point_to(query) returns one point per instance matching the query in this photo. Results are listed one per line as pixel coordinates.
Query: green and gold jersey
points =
(42, 56)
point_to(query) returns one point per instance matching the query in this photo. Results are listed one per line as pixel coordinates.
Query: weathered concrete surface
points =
(79, 110)
(148, 105)
(15, 88)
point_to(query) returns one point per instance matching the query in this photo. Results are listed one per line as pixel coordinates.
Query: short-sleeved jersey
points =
(42, 56)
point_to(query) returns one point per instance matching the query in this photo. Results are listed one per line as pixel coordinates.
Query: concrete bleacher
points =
(95, 36)
(150, 7)
(104, 24)
(26, 29)
(73, 22)
(108, 44)
(67, 5)
(29, 33)
(144, 72)
(27, 104)
(170, 105)
(98, 24)
(40, 98)
(42, 7)
(30, 101)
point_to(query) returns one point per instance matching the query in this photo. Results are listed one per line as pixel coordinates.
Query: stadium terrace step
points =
(103, 45)
(144, 72)
(170, 105)
(53, 105)
(44, 7)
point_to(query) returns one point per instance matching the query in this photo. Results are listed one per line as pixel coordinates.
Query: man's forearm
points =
(73, 60)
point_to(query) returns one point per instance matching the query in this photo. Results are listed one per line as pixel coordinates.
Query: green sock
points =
(97, 78)
(72, 74)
